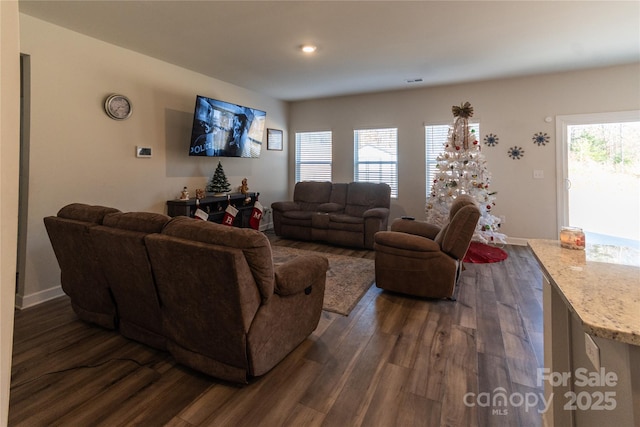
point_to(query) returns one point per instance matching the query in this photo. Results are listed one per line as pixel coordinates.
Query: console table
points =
(215, 207)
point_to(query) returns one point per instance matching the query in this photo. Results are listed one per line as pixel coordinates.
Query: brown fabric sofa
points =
(421, 259)
(226, 310)
(207, 293)
(81, 274)
(338, 213)
(119, 245)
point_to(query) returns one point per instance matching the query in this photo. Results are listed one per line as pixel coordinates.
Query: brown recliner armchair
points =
(226, 309)
(421, 259)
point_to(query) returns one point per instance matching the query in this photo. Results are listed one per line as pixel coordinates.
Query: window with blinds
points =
(435, 137)
(313, 156)
(376, 156)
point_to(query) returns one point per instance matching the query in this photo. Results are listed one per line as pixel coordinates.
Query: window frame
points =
(357, 175)
(299, 173)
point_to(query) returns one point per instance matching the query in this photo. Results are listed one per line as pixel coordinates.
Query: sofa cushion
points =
(298, 215)
(339, 193)
(362, 196)
(310, 194)
(457, 204)
(345, 219)
(84, 212)
(342, 222)
(253, 243)
(454, 238)
(144, 222)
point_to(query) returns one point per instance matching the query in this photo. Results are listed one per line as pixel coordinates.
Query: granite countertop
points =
(600, 284)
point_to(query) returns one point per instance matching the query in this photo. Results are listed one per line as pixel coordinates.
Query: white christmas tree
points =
(462, 169)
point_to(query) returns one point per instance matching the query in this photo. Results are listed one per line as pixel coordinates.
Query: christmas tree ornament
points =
(463, 170)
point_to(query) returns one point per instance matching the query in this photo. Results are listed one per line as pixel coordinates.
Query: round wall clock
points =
(118, 107)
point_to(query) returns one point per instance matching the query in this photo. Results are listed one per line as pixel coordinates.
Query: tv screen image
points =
(222, 129)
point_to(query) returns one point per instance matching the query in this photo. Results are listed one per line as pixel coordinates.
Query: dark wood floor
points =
(394, 361)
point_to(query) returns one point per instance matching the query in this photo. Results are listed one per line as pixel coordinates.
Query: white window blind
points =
(435, 137)
(376, 156)
(313, 156)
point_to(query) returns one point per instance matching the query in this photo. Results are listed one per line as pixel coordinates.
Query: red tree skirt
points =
(479, 253)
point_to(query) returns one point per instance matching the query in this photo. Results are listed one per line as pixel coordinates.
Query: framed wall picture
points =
(274, 139)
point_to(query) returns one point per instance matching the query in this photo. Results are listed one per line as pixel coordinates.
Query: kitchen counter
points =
(600, 284)
(591, 310)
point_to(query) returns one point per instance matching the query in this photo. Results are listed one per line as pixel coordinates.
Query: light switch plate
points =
(538, 174)
(593, 352)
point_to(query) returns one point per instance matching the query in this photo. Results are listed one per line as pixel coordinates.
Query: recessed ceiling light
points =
(308, 48)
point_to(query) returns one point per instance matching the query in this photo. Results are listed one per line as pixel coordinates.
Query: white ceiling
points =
(363, 46)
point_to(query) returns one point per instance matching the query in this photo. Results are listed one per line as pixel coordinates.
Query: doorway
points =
(599, 183)
(23, 186)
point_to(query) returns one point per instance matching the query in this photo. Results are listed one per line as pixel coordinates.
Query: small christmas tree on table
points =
(462, 169)
(218, 183)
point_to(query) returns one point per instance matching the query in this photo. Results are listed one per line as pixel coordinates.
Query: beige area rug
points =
(348, 278)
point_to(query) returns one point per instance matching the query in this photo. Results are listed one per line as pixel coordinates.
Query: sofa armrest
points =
(285, 206)
(407, 242)
(381, 213)
(299, 274)
(330, 207)
(419, 228)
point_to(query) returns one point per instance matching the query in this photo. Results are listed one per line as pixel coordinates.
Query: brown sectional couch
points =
(80, 272)
(338, 213)
(120, 248)
(206, 292)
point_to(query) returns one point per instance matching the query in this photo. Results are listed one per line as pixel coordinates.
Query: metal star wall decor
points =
(491, 140)
(540, 138)
(516, 153)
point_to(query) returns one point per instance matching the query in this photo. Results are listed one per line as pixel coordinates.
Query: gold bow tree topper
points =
(461, 124)
(463, 111)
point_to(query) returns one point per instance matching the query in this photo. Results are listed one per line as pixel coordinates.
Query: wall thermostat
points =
(143, 151)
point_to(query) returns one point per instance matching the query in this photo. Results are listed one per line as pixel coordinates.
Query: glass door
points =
(599, 187)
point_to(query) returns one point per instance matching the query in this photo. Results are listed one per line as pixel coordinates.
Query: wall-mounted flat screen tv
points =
(222, 129)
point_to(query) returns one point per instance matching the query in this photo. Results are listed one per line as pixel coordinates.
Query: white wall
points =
(78, 154)
(9, 159)
(513, 109)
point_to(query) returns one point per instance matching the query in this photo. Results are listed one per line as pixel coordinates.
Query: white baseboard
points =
(518, 241)
(25, 301)
(266, 226)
